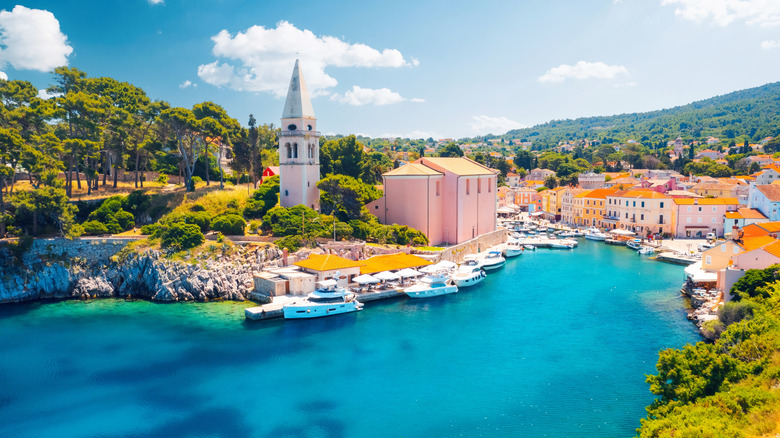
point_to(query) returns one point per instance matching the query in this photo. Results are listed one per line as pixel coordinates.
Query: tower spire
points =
(298, 102)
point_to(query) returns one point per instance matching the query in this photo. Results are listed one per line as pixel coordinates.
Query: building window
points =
(634, 204)
(690, 209)
(662, 205)
(713, 220)
(490, 185)
(468, 187)
(698, 220)
(714, 209)
(642, 217)
(687, 220)
(295, 150)
(643, 204)
(479, 185)
(289, 150)
(438, 184)
(709, 259)
(286, 193)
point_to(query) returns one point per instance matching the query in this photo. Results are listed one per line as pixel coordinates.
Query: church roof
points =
(412, 169)
(298, 102)
(458, 166)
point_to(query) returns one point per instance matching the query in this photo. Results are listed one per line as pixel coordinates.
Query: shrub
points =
(180, 236)
(163, 178)
(136, 201)
(125, 219)
(360, 229)
(93, 228)
(199, 218)
(113, 225)
(292, 243)
(230, 224)
(232, 204)
(254, 209)
(197, 207)
(196, 179)
(150, 230)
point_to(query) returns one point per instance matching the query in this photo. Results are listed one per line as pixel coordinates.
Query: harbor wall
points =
(456, 253)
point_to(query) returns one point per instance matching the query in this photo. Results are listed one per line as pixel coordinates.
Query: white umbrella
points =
(623, 232)
(365, 279)
(443, 265)
(408, 272)
(387, 276)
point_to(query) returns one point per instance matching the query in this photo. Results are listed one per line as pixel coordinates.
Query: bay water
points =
(555, 344)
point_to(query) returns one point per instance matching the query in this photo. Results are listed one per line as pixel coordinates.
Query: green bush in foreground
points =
(180, 236)
(229, 224)
(93, 228)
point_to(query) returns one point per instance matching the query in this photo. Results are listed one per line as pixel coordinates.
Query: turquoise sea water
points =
(556, 344)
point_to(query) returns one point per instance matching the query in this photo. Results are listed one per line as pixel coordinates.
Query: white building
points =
(299, 147)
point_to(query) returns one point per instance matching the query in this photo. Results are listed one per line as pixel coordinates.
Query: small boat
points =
(561, 245)
(568, 234)
(595, 234)
(431, 286)
(493, 260)
(468, 275)
(646, 250)
(635, 244)
(529, 247)
(513, 248)
(329, 299)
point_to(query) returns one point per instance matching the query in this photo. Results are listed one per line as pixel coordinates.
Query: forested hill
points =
(750, 114)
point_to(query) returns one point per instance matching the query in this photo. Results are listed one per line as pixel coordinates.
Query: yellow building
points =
(594, 205)
(578, 203)
(556, 202)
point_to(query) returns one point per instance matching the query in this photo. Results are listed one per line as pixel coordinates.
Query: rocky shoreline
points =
(145, 275)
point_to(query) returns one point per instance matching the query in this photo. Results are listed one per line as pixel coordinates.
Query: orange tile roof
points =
(583, 193)
(327, 262)
(772, 227)
(458, 166)
(753, 230)
(745, 213)
(773, 248)
(391, 262)
(772, 192)
(644, 194)
(751, 243)
(412, 169)
(601, 193)
(706, 201)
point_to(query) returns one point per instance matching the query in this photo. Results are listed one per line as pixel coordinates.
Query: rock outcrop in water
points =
(145, 275)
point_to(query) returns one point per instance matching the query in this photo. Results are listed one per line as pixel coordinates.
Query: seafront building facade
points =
(696, 217)
(451, 200)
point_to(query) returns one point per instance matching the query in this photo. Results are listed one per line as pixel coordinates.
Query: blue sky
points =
(406, 68)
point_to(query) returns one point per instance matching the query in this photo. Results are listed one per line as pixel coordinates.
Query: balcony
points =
(298, 133)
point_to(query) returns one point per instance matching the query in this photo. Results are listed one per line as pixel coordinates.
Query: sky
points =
(408, 68)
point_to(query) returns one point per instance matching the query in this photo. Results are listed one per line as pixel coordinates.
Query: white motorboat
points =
(595, 234)
(513, 248)
(329, 299)
(493, 260)
(431, 286)
(530, 247)
(646, 250)
(635, 244)
(568, 234)
(562, 245)
(468, 274)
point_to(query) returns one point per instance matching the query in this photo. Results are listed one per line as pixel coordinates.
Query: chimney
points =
(285, 253)
(735, 233)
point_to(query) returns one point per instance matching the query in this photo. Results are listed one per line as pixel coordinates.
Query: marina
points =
(201, 364)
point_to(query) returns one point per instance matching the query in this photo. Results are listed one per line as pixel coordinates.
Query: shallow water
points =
(555, 344)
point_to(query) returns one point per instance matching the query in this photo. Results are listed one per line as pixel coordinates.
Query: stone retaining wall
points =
(91, 250)
(481, 243)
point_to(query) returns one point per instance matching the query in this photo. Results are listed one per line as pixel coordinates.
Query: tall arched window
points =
(289, 150)
(295, 151)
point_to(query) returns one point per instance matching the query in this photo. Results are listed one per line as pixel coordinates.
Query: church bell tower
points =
(299, 147)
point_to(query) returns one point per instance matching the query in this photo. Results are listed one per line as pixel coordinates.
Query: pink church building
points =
(451, 200)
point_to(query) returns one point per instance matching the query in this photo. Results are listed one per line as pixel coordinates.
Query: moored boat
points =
(431, 286)
(493, 260)
(595, 234)
(635, 244)
(513, 248)
(468, 275)
(327, 300)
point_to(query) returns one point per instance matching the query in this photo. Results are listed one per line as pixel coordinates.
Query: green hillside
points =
(750, 114)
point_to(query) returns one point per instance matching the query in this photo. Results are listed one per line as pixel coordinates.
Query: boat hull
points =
(512, 252)
(494, 266)
(430, 292)
(596, 238)
(317, 310)
(472, 280)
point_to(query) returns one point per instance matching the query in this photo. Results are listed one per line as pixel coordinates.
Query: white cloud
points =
(43, 94)
(359, 96)
(3, 76)
(187, 84)
(766, 45)
(262, 59)
(582, 70)
(30, 39)
(493, 125)
(723, 12)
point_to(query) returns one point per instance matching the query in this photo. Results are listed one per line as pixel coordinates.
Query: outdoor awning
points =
(699, 275)
(387, 276)
(703, 227)
(365, 279)
(505, 210)
(536, 213)
(623, 232)
(408, 272)
(443, 265)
